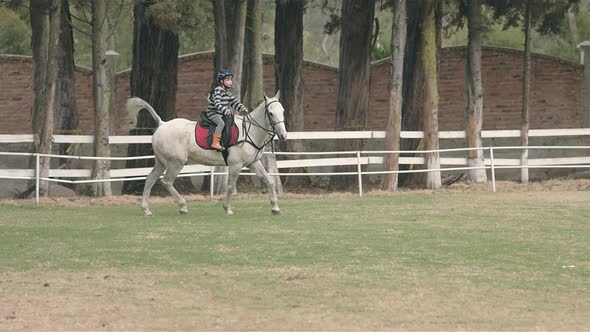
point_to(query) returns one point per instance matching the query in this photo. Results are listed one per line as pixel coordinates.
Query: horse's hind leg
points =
(151, 179)
(259, 169)
(172, 171)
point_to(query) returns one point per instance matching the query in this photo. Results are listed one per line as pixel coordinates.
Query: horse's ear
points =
(278, 95)
(265, 97)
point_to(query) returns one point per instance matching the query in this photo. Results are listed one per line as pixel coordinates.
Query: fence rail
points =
(335, 158)
(314, 135)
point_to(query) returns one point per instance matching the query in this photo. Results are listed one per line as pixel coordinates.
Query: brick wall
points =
(556, 90)
(556, 100)
(16, 94)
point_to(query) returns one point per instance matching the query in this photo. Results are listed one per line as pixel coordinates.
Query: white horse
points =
(174, 144)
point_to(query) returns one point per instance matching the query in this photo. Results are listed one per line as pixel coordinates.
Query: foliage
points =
(198, 30)
(501, 24)
(120, 14)
(547, 15)
(15, 34)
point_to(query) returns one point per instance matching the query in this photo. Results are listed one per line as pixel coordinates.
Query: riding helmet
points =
(223, 73)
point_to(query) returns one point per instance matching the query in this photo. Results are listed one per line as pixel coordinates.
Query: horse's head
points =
(276, 115)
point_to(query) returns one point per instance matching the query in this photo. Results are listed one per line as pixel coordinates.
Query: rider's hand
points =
(246, 111)
(228, 112)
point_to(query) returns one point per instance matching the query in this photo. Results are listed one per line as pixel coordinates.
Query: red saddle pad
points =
(204, 136)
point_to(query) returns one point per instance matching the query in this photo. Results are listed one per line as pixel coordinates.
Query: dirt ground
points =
(458, 187)
(123, 301)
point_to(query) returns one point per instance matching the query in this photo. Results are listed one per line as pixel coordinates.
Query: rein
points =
(251, 122)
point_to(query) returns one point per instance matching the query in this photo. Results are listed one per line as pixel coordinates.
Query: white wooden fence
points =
(328, 159)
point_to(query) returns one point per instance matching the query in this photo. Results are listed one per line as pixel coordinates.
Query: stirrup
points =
(218, 150)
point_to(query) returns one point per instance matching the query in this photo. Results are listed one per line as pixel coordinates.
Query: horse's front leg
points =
(259, 169)
(232, 178)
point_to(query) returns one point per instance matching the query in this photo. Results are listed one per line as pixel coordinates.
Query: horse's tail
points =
(134, 105)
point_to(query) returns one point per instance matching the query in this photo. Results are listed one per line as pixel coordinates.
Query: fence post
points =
(37, 171)
(211, 182)
(492, 168)
(360, 175)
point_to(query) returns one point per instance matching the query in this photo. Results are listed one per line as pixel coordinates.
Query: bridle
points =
(249, 121)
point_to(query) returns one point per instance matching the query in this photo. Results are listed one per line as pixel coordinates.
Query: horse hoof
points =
(229, 212)
(183, 211)
(147, 213)
(276, 212)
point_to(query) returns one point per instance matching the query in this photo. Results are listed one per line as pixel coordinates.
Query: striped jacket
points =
(221, 99)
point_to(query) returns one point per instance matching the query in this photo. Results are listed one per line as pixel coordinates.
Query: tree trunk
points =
(255, 85)
(153, 79)
(394, 119)
(438, 17)
(354, 78)
(474, 93)
(39, 27)
(289, 65)
(100, 91)
(67, 114)
(112, 56)
(289, 71)
(236, 22)
(221, 41)
(430, 119)
(51, 78)
(233, 39)
(236, 26)
(413, 90)
(526, 78)
(45, 58)
(220, 61)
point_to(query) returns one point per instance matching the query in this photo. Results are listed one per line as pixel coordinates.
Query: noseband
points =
(267, 113)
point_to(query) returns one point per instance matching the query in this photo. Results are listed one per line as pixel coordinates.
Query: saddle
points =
(205, 128)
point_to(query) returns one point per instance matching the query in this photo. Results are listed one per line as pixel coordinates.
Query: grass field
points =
(443, 261)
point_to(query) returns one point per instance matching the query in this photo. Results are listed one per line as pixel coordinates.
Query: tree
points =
(67, 114)
(430, 118)
(101, 92)
(255, 83)
(413, 88)
(45, 52)
(154, 72)
(353, 76)
(474, 92)
(289, 64)
(548, 16)
(15, 35)
(220, 61)
(254, 88)
(221, 45)
(230, 22)
(394, 119)
(526, 88)
(236, 24)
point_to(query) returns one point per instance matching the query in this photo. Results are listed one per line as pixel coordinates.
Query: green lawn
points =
(439, 261)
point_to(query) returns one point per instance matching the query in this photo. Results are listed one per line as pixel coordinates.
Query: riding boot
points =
(216, 142)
